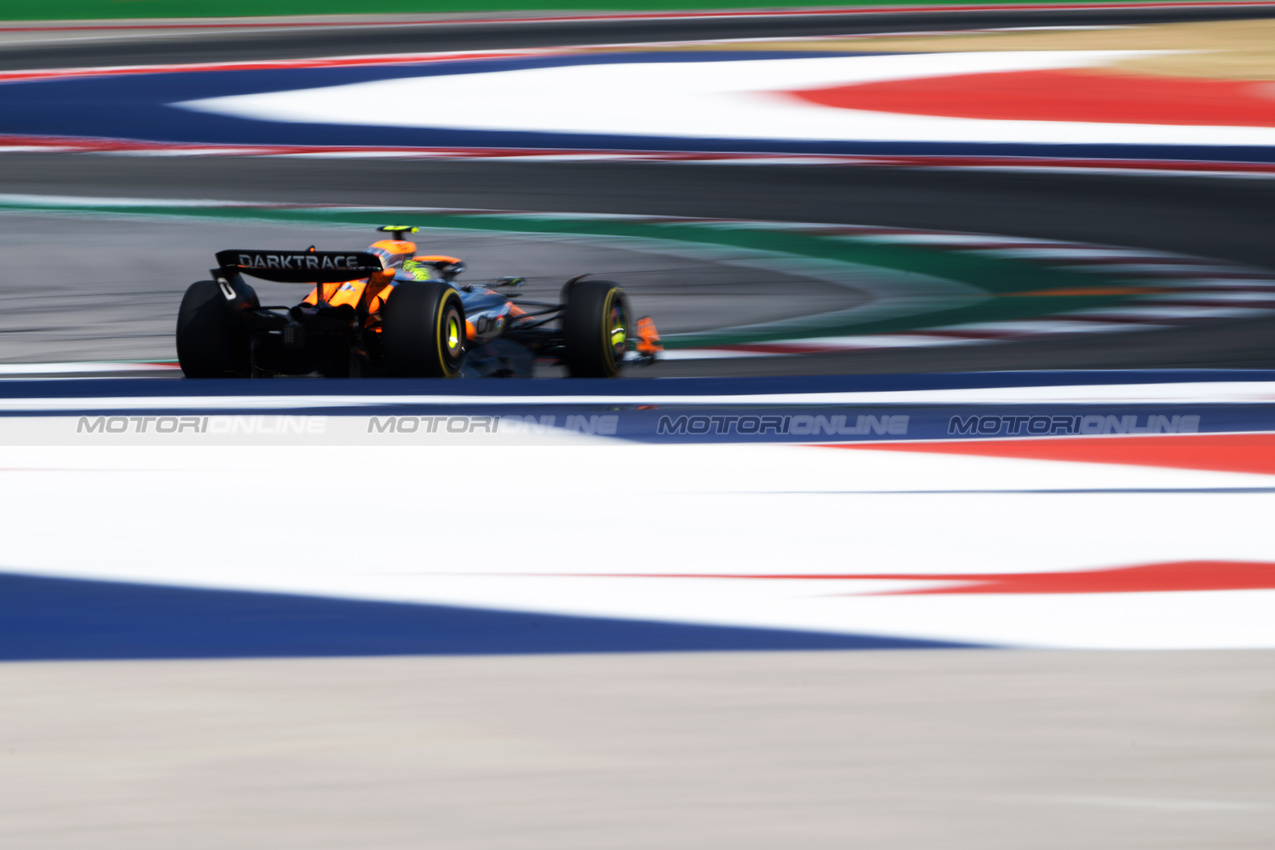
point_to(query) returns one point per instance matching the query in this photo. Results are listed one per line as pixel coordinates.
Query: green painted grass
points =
(41, 10)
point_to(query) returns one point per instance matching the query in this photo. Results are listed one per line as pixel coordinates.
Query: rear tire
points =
(423, 330)
(208, 343)
(595, 326)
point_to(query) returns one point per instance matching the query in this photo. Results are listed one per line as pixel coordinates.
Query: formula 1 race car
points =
(387, 311)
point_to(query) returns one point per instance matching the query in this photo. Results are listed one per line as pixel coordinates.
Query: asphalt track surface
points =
(1228, 218)
(121, 314)
(1224, 218)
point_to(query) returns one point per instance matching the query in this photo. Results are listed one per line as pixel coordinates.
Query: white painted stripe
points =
(710, 354)
(743, 524)
(1167, 313)
(1236, 392)
(736, 99)
(1214, 284)
(57, 201)
(971, 240)
(1063, 251)
(1042, 327)
(81, 368)
(37, 148)
(1250, 298)
(851, 343)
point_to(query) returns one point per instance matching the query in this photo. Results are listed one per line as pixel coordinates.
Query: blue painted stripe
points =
(741, 423)
(635, 388)
(691, 411)
(141, 107)
(44, 619)
(842, 423)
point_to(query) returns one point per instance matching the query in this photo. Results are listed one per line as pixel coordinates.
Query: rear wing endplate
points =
(301, 266)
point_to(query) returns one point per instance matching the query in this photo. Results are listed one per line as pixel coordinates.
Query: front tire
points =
(595, 326)
(423, 330)
(208, 343)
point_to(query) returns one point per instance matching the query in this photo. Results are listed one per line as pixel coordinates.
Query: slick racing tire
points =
(423, 330)
(208, 343)
(595, 329)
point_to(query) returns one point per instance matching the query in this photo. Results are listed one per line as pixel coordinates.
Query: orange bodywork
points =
(352, 292)
(347, 294)
(648, 336)
(375, 289)
(373, 292)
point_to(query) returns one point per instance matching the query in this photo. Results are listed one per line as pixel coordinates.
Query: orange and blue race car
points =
(389, 311)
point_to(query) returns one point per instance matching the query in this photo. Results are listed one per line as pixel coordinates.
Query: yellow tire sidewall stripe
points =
(606, 328)
(439, 338)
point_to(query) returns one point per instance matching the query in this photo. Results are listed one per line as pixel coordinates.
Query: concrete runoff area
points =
(901, 749)
(116, 294)
(1214, 49)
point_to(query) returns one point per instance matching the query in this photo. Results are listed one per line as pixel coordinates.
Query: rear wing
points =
(301, 266)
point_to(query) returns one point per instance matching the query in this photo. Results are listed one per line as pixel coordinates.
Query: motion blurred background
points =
(579, 645)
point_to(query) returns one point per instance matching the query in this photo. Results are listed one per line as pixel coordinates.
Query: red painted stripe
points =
(1064, 95)
(646, 16)
(1174, 577)
(263, 65)
(1254, 453)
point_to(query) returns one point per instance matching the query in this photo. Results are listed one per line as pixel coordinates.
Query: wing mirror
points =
(450, 271)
